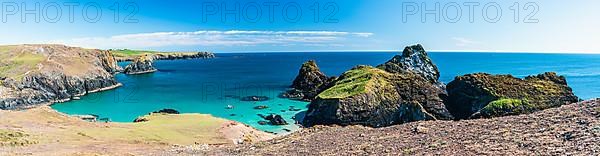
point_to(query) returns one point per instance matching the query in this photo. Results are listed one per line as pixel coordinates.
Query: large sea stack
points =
(140, 65)
(309, 82)
(484, 95)
(414, 59)
(370, 96)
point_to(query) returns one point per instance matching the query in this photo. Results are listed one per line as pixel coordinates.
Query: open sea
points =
(208, 86)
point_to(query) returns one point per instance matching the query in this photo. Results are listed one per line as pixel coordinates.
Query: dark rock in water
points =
(414, 59)
(232, 114)
(263, 122)
(292, 108)
(287, 130)
(275, 119)
(261, 107)
(309, 82)
(293, 94)
(483, 95)
(141, 65)
(167, 111)
(255, 98)
(373, 97)
(140, 119)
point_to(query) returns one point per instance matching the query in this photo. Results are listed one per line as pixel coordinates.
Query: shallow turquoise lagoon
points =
(208, 86)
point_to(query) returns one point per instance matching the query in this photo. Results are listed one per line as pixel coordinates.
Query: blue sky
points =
(555, 26)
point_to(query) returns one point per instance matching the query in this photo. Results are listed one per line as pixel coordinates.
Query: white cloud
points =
(216, 38)
(464, 42)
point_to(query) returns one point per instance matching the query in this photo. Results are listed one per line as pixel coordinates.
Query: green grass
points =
(135, 53)
(353, 82)
(16, 63)
(167, 128)
(14, 138)
(507, 105)
(129, 53)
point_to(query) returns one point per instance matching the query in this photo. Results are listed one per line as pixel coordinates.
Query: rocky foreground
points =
(567, 130)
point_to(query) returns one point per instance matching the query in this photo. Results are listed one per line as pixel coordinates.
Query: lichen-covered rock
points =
(309, 82)
(414, 59)
(141, 65)
(484, 95)
(373, 97)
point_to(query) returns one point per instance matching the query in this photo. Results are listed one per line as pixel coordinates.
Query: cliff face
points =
(59, 74)
(484, 95)
(414, 59)
(373, 97)
(140, 65)
(309, 82)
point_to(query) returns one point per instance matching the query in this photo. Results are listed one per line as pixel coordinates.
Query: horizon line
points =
(435, 51)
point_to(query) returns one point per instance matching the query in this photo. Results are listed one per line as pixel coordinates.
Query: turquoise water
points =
(208, 86)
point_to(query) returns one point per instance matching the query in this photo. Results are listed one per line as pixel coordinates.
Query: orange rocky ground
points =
(568, 130)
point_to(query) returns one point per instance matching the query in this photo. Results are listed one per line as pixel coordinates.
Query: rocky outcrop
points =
(109, 62)
(309, 82)
(484, 95)
(167, 111)
(373, 97)
(414, 59)
(141, 65)
(275, 119)
(62, 73)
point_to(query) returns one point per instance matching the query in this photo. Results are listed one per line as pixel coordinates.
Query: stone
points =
(414, 59)
(255, 98)
(309, 82)
(483, 95)
(167, 111)
(275, 119)
(261, 107)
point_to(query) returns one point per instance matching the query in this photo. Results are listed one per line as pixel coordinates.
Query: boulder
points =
(309, 82)
(275, 119)
(255, 98)
(261, 107)
(483, 95)
(167, 111)
(414, 59)
(141, 65)
(373, 97)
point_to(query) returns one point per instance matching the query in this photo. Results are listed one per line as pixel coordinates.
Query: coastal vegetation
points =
(16, 62)
(356, 81)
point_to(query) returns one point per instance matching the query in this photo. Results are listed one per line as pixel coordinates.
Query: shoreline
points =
(142, 72)
(78, 95)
